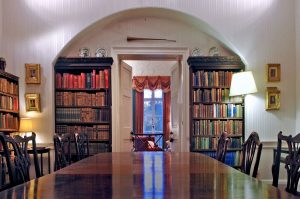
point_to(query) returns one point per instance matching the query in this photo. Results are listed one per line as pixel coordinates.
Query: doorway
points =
(122, 100)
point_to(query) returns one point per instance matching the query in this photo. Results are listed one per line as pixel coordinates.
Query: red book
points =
(58, 80)
(106, 78)
(79, 81)
(75, 81)
(97, 81)
(71, 77)
(101, 79)
(16, 104)
(83, 80)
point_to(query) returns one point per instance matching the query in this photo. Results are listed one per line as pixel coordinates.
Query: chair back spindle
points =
(23, 143)
(222, 147)
(276, 165)
(62, 150)
(251, 147)
(81, 145)
(292, 164)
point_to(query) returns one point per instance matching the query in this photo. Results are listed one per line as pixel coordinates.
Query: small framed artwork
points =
(272, 98)
(33, 74)
(33, 102)
(273, 72)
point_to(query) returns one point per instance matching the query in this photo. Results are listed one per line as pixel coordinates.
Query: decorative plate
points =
(196, 52)
(214, 51)
(100, 52)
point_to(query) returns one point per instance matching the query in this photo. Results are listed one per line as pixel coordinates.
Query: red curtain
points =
(139, 114)
(167, 115)
(139, 83)
(151, 82)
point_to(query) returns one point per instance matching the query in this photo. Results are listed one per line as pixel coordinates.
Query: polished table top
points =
(146, 175)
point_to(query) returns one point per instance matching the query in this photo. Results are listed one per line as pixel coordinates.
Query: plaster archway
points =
(111, 33)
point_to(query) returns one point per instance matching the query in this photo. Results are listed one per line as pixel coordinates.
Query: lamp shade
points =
(242, 83)
(25, 125)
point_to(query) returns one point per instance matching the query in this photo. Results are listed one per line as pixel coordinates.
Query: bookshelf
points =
(83, 99)
(212, 111)
(9, 102)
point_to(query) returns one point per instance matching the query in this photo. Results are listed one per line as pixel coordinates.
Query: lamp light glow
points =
(25, 125)
(242, 83)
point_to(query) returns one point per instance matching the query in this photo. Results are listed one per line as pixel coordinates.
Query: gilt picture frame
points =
(272, 98)
(32, 101)
(33, 74)
(273, 72)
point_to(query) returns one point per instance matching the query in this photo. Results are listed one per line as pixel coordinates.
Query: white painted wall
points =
(297, 41)
(151, 68)
(1, 13)
(261, 32)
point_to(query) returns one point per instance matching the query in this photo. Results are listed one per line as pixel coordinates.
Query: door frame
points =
(179, 54)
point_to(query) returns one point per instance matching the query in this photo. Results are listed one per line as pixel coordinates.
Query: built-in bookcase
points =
(212, 111)
(9, 102)
(83, 99)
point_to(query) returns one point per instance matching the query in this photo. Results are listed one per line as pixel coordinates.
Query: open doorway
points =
(130, 65)
(151, 104)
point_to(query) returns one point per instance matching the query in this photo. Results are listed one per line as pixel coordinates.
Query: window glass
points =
(153, 113)
(147, 94)
(158, 93)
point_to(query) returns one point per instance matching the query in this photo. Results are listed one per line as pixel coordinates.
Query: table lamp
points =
(25, 125)
(242, 83)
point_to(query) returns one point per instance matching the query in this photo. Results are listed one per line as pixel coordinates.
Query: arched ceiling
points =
(144, 14)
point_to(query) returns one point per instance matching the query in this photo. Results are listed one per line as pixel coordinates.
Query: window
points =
(153, 113)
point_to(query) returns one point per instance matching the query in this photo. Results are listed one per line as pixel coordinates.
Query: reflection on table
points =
(146, 175)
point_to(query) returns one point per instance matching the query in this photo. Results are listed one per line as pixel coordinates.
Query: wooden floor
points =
(146, 175)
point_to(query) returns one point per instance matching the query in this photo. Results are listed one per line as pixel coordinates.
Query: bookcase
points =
(83, 99)
(212, 111)
(9, 102)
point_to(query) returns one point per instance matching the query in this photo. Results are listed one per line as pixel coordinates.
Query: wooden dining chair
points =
(16, 163)
(251, 148)
(81, 145)
(292, 164)
(23, 143)
(222, 147)
(278, 158)
(62, 151)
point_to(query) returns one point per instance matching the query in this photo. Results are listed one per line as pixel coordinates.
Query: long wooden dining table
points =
(146, 175)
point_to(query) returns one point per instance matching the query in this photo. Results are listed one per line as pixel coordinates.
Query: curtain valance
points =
(139, 83)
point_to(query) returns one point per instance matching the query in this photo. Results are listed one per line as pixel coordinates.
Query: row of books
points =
(217, 111)
(9, 103)
(94, 79)
(216, 127)
(94, 132)
(8, 121)
(8, 87)
(82, 115)
(213, 78)
(95, 148)
(81, 99)
(232, 158)
(212, 143)
(205, 143)
(214, 95)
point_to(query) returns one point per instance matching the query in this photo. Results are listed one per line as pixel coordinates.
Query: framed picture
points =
(272, 98)
(33, 74)
(273, 72)
(32, 102)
